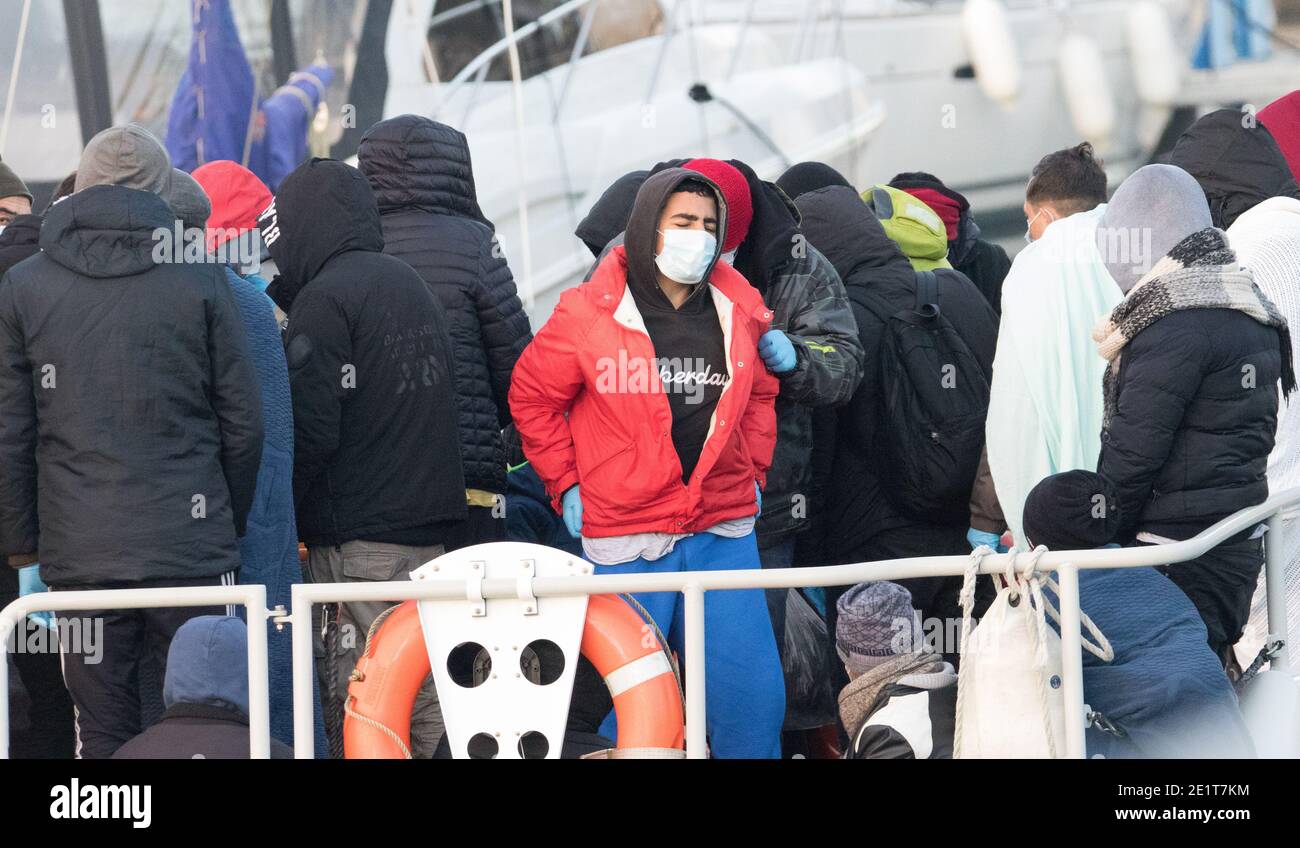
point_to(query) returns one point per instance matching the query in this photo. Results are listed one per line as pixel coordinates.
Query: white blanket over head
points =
(1045, 407)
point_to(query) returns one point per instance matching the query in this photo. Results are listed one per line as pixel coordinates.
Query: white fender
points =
(1153, 54)
(1270, 705)
(1088, 95)
(986, 29)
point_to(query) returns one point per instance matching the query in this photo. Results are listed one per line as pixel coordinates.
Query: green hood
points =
(912, 225)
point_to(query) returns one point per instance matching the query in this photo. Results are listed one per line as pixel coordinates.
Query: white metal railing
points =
(692, 585)
(251, 596)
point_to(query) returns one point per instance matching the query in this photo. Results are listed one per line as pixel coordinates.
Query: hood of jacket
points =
(237, 197)
(608, 216)
(207, 664)
(922, 185)
(842, 227)
(19, 240)
(106, 231)
(1236, 166)
(126, 156)
(415, 162)
(643, 225)
(322, 209)
(913, 225)
(1282, 117)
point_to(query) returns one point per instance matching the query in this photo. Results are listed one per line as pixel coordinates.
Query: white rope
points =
(13, 75)
(967, 601)
(525, 237)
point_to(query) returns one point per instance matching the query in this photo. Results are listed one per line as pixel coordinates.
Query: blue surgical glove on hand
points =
(30, 583)
(979, 537)
(758, 497)
(777, 351)
(572, 503)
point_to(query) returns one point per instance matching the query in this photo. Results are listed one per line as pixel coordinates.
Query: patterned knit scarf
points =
(1201, 272)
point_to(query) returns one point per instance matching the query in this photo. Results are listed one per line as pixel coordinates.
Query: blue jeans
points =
(746, 690)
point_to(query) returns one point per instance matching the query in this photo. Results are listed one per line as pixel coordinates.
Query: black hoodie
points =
(687, 339)
(127, 389)
(1238, 166)
(422, 179)
(880, 281)
(20, 240)
(376, 447)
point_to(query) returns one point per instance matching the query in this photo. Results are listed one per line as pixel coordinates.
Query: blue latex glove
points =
(572, 503)
(777, 351)
(758, 497)
(30, 583)
(979, 537)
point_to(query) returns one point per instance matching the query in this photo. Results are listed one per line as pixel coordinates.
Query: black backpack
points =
(934, 399)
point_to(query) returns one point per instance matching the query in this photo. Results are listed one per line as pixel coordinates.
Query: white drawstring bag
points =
(1010, 701)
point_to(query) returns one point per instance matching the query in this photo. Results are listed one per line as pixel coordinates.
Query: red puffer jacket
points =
(617, 440)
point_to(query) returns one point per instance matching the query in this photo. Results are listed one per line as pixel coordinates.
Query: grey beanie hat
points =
(189, 201)
(126, 156)
(876, 622)
(11, 185)
(1152, 211)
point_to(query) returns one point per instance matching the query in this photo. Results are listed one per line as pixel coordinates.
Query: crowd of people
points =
(753, 374)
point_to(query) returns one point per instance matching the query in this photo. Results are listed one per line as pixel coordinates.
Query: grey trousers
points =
(374, 561)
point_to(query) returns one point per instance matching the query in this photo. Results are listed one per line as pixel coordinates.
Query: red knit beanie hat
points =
(735, 190)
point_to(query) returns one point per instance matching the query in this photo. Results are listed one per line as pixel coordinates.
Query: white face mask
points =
(687, 254)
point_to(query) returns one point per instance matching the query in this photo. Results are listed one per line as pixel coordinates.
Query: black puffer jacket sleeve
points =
(236, 400)
(502, 322)
(825, 336)
(1160, 372)
(18, 521)
(317, 382)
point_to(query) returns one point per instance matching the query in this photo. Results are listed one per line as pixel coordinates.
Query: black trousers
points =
(47, 732)
(479, 527)
(1221, 584)
(103, 658)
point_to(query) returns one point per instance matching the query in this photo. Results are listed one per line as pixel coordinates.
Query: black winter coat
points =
(376, 453)
(20, 240)
(880, 281)
(130, 414)
(1196, 413)
(197, 732)
(421, 176)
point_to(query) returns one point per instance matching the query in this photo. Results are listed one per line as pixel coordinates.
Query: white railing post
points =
(1276, 549)
(1072, 662)
(696, 695)
(259, 685)
(304, 725)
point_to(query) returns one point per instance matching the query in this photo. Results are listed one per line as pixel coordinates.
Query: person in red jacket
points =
(645, 409)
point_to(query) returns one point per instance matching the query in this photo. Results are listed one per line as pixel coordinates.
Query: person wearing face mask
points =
(645, 409)
(1062, 184)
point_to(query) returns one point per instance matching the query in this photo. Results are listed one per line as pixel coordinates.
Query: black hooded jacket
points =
(376, 453)
(20, 240)
(984, 263)
(880, 281)
(421, 176)
(127, 391)
(1237, 166)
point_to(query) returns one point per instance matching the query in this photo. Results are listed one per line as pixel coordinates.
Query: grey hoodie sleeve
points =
(820, 324)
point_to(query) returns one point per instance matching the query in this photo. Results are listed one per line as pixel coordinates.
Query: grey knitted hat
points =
(876, 622)
(11, 185)
(1152, 211)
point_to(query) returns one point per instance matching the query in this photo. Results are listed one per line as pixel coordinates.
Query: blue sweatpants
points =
(746, 690)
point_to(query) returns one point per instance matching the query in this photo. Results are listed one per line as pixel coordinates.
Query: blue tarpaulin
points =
(217, 98)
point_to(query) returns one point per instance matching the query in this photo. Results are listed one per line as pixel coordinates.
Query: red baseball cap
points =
(237, 196)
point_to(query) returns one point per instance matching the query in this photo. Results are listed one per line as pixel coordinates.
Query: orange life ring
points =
(389, 674)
